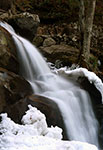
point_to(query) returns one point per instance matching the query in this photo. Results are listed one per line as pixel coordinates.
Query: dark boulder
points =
(25, 24)
(12, 88)
(45, 105)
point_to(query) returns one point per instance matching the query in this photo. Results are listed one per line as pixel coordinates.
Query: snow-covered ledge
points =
(83, 72)
(35, 134)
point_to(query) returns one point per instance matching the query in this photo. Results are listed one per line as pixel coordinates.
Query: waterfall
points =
(74, 102)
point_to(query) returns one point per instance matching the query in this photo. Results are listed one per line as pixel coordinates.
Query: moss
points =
(3, 40)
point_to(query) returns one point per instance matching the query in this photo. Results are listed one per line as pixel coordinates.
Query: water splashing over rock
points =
(73, 101)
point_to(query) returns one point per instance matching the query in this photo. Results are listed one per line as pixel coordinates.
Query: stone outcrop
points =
(12, 88)
(65, 53)
(8, 56)
(25, 24)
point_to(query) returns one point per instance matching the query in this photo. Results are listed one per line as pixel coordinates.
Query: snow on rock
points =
(54, 132)
(37, 119)
(30, 136)
(83, 72)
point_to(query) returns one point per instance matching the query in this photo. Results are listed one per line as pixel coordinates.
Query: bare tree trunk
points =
(81, 25)
(87, 9)
(88, 27)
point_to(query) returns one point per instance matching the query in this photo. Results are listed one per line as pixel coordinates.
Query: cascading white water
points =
(74, 102)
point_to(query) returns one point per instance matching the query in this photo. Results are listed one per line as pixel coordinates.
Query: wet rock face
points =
(96, 100)
(8, 56)
(96, 97)
(93, 91)
(45, 105)
(12, 88)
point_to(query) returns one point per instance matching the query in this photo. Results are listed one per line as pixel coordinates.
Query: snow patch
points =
(35, 134)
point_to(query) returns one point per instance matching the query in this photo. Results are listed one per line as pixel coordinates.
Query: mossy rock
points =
(8, 55)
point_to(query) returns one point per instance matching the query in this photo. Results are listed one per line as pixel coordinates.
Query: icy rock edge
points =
(82, 72)
(35, 134)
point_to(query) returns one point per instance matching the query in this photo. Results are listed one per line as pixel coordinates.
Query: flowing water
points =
(74, 102)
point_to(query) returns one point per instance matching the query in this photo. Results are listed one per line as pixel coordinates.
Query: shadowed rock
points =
(25, 24)
(45, 105)
(12, 88)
